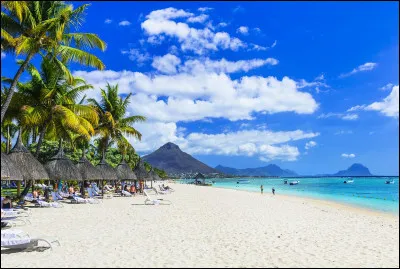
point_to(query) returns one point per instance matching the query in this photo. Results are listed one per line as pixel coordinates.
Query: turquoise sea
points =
(367, 192)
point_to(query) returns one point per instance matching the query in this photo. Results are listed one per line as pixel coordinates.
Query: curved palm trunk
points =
(41, 136)
(14, 84)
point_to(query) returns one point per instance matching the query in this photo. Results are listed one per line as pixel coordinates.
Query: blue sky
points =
(312, 87)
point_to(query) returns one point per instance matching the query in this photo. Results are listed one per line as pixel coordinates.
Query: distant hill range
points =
(355, 169)
(173, 160)
(269, 170)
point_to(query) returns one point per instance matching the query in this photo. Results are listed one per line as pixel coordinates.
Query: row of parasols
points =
(21, 165)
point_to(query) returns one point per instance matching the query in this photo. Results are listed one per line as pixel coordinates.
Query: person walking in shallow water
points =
(262, 189)
(273, 190)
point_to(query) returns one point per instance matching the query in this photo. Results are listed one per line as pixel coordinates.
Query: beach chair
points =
(63, 194)
(17, 239)
(80, 200)
(92, 195)
(14, 221)
(151, 201)
(164, 189)
(126, 193)
(51, 204)
(15, 213)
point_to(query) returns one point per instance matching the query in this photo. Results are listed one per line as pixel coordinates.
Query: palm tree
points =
(48, 102)
(43, 27)
(113, 125)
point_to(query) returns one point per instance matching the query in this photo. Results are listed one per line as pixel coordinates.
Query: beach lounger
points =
(14, 221)
(80, 200)
(151, 201)
(164, 189)
(17, 239)
(51, 204)
(15, 213)
(92, 195)
(126, 193)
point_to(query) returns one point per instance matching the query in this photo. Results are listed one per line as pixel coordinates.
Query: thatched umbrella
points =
(61, 168)
(141, 172)
(9, 170)
(106, 170)
(29, 166)
(87, 170)
(154, 176)
(200, 176)
(124, 172)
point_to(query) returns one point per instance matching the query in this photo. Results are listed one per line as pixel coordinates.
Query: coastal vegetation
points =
(51, 106)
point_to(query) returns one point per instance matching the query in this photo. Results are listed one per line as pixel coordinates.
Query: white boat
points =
(294, 182)
(243, 181)
(348, 181)
(389, 181)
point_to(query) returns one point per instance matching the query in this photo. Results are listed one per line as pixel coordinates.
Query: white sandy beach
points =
(210, 227)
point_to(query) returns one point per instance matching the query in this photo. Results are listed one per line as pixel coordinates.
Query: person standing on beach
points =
(262, 189)
(273, 190)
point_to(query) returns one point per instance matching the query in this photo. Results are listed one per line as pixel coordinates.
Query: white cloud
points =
(310, 144)
(350, 117)
(197, 96)
(238, 9)
(257, 47)
(222, 24)
(263, 144)
(3, 55)
(274, 44)
(204, 9)
(257, 30)
(389, 106)
(224, 66)
(338, 115)
(137, 56)
(200, 19)
(320, 77)
(160, 22)
(387, 87)
(124, 23)
(361, 68)
(351, 155)
(166, 64)
(342, 132)
(243, 30)
(108, 21)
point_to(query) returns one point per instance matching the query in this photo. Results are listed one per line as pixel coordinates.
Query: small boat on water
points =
(294, 182)
(348, 181)
(389, 181)
(243, 181)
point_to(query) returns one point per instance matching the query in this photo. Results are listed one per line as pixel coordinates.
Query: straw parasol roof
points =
(199, 176)
(87, 170)
(106, 170)
(29, 166)
(124, 172)
(61, 168)
(154, 175)
(9, 170)
(140, 171)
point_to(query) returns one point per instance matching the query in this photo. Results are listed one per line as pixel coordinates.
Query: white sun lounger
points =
(81, 200)
(151, 201)
(14, 213)
(51, 204)
(126, 193)
(17, 239)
